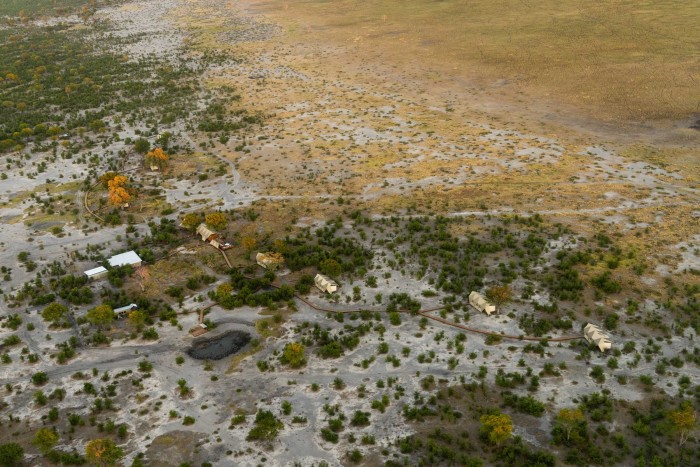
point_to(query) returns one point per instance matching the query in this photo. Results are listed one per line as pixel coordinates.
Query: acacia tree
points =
(103, 452)
(249, 243)
(54, 312)
(45, 439)
(142, 146)
(137, 319)
(683, 422)
(496, 427)
(101, 316)
(499, 295)
(293, 355)
(330, 266)
(568, 419)
(11, 454)
(191, 220)
(215, 220)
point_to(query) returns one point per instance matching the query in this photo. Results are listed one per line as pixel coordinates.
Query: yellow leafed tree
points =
(157, 157)
(117, 190)
(497, 428)
(683, 422)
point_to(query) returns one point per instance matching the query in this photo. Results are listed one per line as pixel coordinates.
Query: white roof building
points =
(325, 283)
(123, 259)
(595, 335)
(125, 309)
(480, 303)
(96, 273)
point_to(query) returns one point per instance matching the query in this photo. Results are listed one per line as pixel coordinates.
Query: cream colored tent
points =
(480, 303)
(206, 234)
(270, 260)
(595, 335)
(325, 283)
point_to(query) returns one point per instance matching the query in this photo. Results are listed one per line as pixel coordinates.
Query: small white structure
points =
(96, 273)
(271, 260)
(595, 335)
(480, 303)
(121, 312)
(325, 283)
(129, 258)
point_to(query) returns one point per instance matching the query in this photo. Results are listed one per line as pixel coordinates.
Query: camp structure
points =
(270, 260)
(200, 328)
(325, 283)
(124, 311)
(212, 237)
(96, 273)
(480, 303)
(595, 335)
(130, 258)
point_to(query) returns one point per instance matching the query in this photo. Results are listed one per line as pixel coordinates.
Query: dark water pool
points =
(216, 348)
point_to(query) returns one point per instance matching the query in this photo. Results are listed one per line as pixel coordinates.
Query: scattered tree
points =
(101, 316)
(683, 422)
(118, 195)
(103, 452)
(266, 428)
(496, 427)
(293, 355)
(157, 157)
(330, 267)
(142, 146)
(11, 454)
(499, 295)
(249, 243)
(568, 419)
(54, 312)
(215, 220)
(191, 220)
(45, 439)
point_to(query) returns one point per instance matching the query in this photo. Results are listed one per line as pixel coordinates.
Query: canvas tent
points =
(595, 335)
(480, 303)
(269, 260)
(325, 283)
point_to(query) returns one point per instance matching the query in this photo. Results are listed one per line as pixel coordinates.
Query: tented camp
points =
(212, 237)
(480, 303)
(595, 335)
(325, 283)
(270, 260)
(206, 234)
(129, 258)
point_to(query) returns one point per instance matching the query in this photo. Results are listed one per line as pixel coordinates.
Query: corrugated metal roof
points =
(95, 271)
(130, 257)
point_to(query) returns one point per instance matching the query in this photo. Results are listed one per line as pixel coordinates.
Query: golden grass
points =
(617, 59)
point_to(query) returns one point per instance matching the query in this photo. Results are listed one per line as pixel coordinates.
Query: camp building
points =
(270, 260)
(212, 237)
(130, 258)
(595, 335)
(480, 303)
(325, 283)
